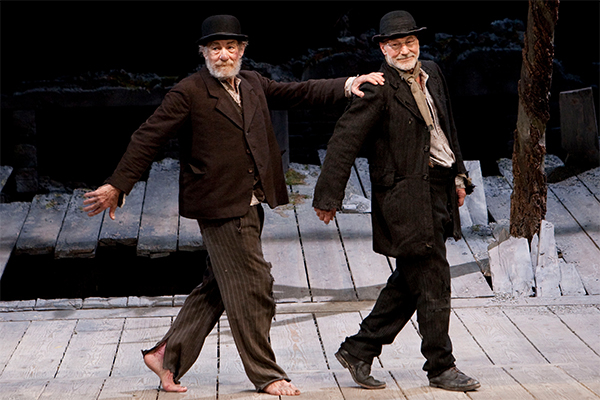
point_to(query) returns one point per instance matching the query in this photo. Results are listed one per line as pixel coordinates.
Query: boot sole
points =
(345, 364)
(457, 389)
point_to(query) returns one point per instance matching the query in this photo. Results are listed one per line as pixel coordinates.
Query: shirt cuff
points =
(348, 86)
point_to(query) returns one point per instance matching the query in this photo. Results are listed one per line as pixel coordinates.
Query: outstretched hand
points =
(325, 215)
(106, 196)
(375, 78)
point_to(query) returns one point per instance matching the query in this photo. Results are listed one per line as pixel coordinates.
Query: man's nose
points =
(224, 55)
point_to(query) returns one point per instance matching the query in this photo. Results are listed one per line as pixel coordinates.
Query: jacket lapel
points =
(224, 103)
(403, 93)
(249, 102)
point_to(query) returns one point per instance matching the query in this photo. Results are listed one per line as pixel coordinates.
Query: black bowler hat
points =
(396, 24)
(221, 27)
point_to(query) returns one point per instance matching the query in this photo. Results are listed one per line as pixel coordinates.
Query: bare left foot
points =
(282, 388)
(154, 361)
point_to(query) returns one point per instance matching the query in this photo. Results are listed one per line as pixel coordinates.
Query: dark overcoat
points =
(221, 147)
(387, 122)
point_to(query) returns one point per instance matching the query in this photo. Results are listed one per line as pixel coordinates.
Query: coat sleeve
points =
(147, 140)
(311, 93)
(351, 131)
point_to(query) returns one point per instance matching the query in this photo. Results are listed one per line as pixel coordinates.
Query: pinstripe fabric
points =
(239, 280)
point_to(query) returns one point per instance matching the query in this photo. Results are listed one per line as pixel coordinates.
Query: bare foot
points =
(282, 388)
(154, 361)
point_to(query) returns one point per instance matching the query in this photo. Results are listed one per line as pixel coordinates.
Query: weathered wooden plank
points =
(298, 349)
(92, 349)
(575, 245)
(5, 172)
(41, 350)
(126, 226)
(43, 223)
(190, 238)
(550, 336)
(478, 239)
(591, 180)
(11, 334)
(581, 203)
(328, 272)
(126, 387)
(22, 389)
(510, 266)
(497, 384)
(78, 237)
(370, 271)
(579, 126)
(498, 336)
(334, 328)
(73, 389)
(570, 281)
(544, 259)
(160, 215)
(467, 278)
(497, 197)
(138, 334)
(296, 343)
(558, 344)
(281, 247)
(475, 202)
(549, 382)
(583, 321)
(12, 218)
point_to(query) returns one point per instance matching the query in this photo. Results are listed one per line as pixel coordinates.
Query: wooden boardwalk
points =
(521, 349)
(326, 278)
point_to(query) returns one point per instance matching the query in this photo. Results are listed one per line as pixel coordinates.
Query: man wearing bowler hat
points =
(230, 164)
(418, 182)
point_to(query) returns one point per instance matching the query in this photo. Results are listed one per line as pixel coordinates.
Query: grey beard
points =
(221, 74)
(394, 63)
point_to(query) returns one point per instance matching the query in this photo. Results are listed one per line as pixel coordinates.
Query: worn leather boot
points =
(359, 370)
(453, 379)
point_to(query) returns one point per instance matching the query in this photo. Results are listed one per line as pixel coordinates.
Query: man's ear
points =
(382, 47)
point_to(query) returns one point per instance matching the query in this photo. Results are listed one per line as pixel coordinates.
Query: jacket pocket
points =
(383, 177)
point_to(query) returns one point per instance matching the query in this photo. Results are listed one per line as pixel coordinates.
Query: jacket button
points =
(426, 148)
(247, 151)
(425, 177)
(250, 170)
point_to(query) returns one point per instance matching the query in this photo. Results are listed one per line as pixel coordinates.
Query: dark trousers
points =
(417, 284)
(238, 280)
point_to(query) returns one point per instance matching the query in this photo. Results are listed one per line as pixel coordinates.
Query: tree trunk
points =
(528, 200)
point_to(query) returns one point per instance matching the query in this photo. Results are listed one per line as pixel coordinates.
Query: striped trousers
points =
(238, 280)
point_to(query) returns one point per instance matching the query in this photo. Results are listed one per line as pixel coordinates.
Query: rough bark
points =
(528, 200)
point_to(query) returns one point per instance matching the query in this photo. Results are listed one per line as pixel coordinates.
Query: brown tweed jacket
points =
(221, 147)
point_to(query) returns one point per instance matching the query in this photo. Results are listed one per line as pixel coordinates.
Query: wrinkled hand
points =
(325, 215)
(462, 193)
(106, 196)
(376, 78)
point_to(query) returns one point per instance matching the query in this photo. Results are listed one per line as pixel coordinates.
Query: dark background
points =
(44, 40)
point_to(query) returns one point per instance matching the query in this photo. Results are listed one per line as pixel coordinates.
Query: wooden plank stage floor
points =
(326, 278)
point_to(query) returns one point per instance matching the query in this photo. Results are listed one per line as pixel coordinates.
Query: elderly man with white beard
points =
(230, 165)
(418, 181)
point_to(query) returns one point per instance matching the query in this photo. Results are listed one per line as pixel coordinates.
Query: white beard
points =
(404, 64)
(224, 70)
